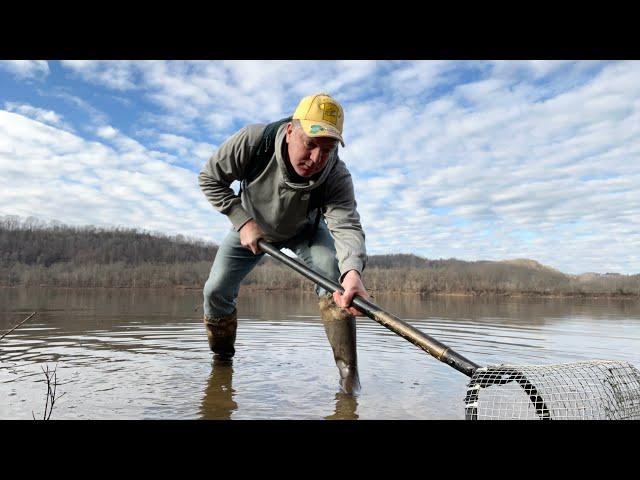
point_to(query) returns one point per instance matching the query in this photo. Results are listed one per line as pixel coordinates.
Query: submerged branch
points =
(51, 376)
(7, 333)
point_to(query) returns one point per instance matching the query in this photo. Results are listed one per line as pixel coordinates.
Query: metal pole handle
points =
(430, 345)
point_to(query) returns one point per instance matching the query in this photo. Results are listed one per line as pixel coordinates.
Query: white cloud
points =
(412, 79)
(96, 117)
(503, 162)
(107, 132)
(474, 160)
(51, 173)
(26, 69)
(210, 94)
(119, 75)
(41, 115)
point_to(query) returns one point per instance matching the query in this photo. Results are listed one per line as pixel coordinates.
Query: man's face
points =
(308, 155)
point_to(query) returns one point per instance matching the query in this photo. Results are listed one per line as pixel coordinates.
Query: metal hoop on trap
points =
(591, 390)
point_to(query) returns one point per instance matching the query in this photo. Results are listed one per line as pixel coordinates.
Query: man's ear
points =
(289, 131)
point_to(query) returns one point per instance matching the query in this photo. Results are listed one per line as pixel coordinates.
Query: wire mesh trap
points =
(590, 390)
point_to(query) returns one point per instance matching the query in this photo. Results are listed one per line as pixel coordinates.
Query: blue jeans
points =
(233, 262)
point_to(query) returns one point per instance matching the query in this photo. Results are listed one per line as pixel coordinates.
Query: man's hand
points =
(250, 233)
(352, 285)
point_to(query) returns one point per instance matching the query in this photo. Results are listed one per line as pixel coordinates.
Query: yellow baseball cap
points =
(320, 116)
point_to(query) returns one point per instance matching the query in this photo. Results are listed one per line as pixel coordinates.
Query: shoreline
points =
(249, 288)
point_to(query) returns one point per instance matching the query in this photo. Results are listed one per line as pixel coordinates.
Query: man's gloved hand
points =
(250, 233)
(352, 284)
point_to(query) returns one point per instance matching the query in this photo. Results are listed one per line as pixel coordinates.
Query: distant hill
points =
(532, 264)
(32, 253)
(408, 260)
(593, 276)
(587, 277)
(33, 244)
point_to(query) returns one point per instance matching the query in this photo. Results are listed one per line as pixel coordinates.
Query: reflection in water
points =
(346, 407)
(218, 403)
(126, 353)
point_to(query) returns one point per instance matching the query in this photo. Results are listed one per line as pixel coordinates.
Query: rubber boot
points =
(221, 333)
(340, 327)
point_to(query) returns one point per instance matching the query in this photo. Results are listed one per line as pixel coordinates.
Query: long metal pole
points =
(425, 342)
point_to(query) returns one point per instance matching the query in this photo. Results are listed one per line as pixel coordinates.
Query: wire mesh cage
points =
(591, 390)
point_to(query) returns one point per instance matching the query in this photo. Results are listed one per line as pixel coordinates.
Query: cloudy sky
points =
(473, 160)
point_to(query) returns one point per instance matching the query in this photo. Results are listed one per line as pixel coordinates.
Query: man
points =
(281, 204)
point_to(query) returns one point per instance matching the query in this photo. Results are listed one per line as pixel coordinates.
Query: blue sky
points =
(479, 160)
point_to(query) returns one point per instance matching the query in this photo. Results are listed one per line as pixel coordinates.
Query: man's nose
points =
(316, 155)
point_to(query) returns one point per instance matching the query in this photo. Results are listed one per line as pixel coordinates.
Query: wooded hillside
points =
(36, 253)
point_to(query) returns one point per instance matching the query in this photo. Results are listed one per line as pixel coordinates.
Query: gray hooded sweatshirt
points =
(278, 205)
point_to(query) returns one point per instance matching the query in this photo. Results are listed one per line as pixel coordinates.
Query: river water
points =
(143, 354)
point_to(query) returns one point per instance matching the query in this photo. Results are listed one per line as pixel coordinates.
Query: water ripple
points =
(117, 360)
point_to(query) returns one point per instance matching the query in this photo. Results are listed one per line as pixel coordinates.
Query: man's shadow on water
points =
(218, 403)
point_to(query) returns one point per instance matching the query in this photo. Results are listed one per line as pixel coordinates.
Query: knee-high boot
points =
(221, 333)
(340, 327)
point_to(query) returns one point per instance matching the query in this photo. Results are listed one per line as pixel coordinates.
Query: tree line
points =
(34, 242)
(35, 253)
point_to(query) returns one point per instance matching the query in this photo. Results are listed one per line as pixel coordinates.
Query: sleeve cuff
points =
(351, 264)
(238, 217)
